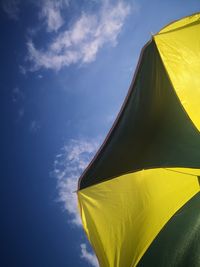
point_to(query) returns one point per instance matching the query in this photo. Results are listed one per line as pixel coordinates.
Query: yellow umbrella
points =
(139, 198)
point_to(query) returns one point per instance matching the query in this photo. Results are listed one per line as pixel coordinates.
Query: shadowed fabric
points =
(139, 198)
(178, 243)
(180, 51)
(122, 216)
(153, 130)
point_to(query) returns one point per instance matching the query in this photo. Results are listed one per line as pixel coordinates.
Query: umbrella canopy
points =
(139, 198)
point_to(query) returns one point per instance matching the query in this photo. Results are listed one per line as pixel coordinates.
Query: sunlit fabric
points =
(139, 198)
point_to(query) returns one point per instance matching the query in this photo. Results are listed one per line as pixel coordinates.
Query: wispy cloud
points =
(50, 13)
(81, 43)
(68, 166)
(11, 8)
(88, 256)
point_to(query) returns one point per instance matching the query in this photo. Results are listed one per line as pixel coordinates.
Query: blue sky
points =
(66, 67)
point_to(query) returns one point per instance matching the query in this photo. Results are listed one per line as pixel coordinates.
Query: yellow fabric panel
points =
(180, 53)
(194, 172)
(122, 216)
(181, 23)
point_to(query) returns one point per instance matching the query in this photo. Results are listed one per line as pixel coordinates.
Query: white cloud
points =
(11, 8)
(68, 166)
(88, 256)
(81, 43)
(51, 13)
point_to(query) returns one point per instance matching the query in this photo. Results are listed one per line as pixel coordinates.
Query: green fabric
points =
(153, 129)
(178, 243)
